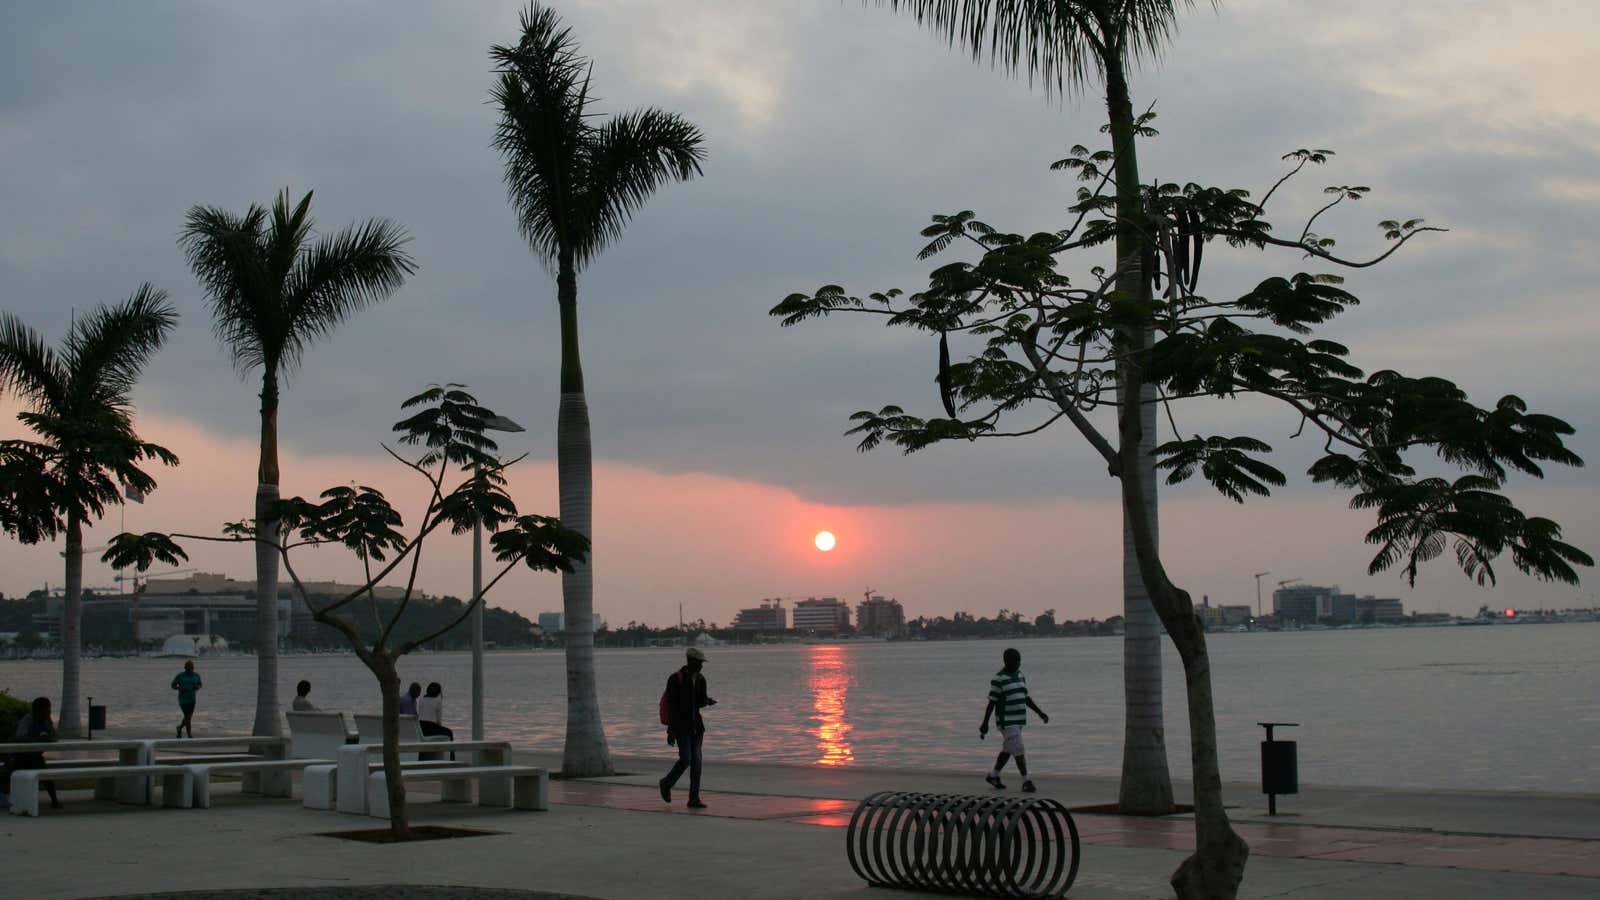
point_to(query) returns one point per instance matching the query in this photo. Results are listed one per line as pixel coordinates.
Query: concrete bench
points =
(245, 747)
(201, 774)
(369, 730)
(176, 787)
(129, 753)
(316, 735)
(530, 786)
(319, 783)
(350, 796)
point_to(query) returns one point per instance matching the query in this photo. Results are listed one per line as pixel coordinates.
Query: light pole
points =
(495, 423)
(1258, 592)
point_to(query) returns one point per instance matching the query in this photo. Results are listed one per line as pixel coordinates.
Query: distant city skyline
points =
(718, 435)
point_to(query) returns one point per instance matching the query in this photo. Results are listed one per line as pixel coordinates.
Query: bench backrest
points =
(370, 729)
(316, 735)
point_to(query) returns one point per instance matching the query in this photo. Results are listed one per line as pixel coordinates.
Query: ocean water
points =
(1496, 708)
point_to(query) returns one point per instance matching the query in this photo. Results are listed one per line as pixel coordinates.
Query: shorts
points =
(1011, 740)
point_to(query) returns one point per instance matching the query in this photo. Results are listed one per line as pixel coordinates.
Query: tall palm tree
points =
(575, 183)
(78, 402)
(1067, 44)
(273, 287)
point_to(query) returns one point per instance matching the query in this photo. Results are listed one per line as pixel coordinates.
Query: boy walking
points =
(1009, 703)
(683, 698)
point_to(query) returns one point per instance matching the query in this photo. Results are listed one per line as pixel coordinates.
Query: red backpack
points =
(666, 700)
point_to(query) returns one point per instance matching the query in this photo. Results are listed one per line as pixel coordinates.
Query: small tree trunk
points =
(1216, 868)
(69, 720)
(389, 683)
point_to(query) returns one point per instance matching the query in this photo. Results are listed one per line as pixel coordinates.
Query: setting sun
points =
(824, 541)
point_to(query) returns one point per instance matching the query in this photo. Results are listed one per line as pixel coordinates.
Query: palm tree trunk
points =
(1146, 785)
(69, 723)
(266, 722)
(585, 752)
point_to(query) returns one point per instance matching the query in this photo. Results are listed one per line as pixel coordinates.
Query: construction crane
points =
(1258, 577)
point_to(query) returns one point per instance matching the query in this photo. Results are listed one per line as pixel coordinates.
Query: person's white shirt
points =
(430, 709)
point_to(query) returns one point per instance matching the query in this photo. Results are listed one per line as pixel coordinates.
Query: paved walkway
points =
(776, 831)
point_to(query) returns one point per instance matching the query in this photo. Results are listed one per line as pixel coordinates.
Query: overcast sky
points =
(833, 130)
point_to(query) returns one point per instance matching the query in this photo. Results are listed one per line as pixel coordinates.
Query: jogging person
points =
(187, 684)
(1009, 703)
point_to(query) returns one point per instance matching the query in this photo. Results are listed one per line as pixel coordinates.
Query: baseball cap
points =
(697, 653)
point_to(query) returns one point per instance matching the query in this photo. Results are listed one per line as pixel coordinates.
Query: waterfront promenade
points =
(778, 831)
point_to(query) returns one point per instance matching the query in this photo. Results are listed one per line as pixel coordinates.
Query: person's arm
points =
(983, 730)
(701, 697)
(672, 709)
(1035, 707)
(175, 683)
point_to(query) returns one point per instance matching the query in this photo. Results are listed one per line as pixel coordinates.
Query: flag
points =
(132, 493)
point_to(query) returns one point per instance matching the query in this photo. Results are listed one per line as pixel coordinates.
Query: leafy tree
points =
(1069, 44)
(450, 427)
(273, 288)
(575, 183)
(1061, 341)
(78, 401)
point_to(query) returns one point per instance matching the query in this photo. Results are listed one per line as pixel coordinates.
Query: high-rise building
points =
(552, 623)
(880, 617)
(1304, 603)
(1383, 609)
(769, 616)
(826, 615)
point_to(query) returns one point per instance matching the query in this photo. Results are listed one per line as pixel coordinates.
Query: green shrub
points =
(11, 711)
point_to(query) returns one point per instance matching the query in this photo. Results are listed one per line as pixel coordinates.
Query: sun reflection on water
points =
(830, 680)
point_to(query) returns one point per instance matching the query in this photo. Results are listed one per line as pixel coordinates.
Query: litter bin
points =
(1280, 766)
(97, 717)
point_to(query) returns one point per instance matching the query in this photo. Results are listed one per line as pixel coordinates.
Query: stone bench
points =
(319, 783)
(201, 773)
(175, 781)
(530, 785)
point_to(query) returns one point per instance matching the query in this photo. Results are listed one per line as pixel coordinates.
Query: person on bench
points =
(430, 713)
(35, 727)
(408, 700)
(302, 703)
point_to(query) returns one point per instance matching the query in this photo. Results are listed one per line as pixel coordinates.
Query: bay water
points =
(1490, 708)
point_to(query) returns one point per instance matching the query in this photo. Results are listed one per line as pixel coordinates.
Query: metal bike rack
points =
(991, 846)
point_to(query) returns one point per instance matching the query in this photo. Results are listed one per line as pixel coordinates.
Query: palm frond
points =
(228, 256)
(339, 276)
(1061, 42)
(629, 158)
(110, 345)
(28, 366)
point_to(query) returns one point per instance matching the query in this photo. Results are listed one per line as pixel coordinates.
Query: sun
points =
(825, 541)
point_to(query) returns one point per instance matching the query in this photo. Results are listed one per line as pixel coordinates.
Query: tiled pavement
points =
(1540, 856)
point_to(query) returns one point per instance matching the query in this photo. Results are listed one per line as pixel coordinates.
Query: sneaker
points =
(1028, 788)
(995, 782)
(694, 803)
(666, 792)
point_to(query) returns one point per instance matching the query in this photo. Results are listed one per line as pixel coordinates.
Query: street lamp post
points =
(496, 423)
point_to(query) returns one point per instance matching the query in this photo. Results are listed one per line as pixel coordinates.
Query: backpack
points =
(666, 700)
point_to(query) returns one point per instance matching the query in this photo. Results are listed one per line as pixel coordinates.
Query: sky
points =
(834, 129)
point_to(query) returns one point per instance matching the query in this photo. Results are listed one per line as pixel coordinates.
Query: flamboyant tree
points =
(575, 182)
(78, 401)
(1060, 341)
(451, 429)
(1070, 45)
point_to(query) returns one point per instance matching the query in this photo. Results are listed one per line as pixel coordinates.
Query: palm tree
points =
(273, 288)
(78, 402)
(575, 183)
(1066, 43)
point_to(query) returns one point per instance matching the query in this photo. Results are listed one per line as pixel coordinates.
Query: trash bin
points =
(97, 717)
(1280, 766)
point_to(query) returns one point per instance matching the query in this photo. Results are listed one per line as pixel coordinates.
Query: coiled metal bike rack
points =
(993, 846)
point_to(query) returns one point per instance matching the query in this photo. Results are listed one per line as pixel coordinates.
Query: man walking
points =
(1009, 702)
(681, 703)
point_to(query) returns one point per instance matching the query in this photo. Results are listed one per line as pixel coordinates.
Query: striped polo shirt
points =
(1008, 691)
